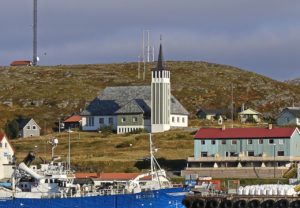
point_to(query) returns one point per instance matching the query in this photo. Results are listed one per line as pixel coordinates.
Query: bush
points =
(12, 129)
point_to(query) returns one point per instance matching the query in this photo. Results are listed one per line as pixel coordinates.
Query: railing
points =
(242, 158)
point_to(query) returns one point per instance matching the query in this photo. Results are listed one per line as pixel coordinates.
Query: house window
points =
(213, 142)
(280, 153)
(173, 119)
(5, 145)
(101, 120)
(203, 154)
(34, 127)
(250, 153)
(223, 141)
(123, 119)
(271, 141)
(280, 141)
(134, 119)
(0, 145)
(178, 119)
(260, 141)
(233, 141)
(202, 141)
(90, 121)
(250, 141)
(28, 127)
(111, 120)
(233, 154)
(183, 120)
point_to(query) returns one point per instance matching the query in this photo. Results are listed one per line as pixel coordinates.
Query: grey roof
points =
(295, 111)
(22, 122)
(127, 99)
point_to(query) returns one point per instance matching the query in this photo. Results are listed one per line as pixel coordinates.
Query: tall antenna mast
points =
(34, 26)
(139, 66)
(231, 105)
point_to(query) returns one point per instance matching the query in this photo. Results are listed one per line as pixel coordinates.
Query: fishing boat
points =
(52, 186)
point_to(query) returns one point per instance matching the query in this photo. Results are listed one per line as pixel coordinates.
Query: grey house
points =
(127, 108)
(289, 116)
(28, 128)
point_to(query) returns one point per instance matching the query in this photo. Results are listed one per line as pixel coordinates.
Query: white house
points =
(6, 157)
(250, 115)
(289, 116)
(28, 128)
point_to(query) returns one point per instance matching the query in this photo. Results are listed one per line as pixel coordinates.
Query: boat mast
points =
(151, 156)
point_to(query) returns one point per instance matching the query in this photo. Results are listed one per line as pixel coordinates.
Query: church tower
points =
(160, 96)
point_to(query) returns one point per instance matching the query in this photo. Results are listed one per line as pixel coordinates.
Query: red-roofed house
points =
(252, 149)
(72, 122)
(21, 63)
(6, 157)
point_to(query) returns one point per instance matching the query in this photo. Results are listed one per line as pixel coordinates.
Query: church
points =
(130, 108)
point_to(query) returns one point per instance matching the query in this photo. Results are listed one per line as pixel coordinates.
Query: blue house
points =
(251, 149)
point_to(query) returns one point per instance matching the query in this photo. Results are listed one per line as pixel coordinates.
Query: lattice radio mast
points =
(34, 27)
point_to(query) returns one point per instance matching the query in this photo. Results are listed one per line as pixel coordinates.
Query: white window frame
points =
(28, 127)
(270, 141)
(33, 127)
(123, 119)
(134, 119)
(101, 119)
(249, 141)
(233, 143)
(90, 121)
(280, 141)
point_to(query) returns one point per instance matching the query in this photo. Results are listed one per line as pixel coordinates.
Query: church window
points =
(134, 119)
(177, 119)
(183, 120)
(123, 119)
(173, 119)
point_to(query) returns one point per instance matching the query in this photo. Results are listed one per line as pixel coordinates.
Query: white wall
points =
(179, 120)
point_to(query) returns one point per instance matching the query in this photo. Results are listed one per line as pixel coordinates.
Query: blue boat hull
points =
(165, 198)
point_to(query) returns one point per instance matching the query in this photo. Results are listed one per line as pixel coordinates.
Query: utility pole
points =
(34, 28)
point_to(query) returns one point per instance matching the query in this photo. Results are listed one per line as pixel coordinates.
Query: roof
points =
(74, 118)
(249, 111)
(295, 111)
(22, 122)
(212, 111)
(110, 176)
(160, 61)
(2, 136)
(243, 133)
(21, 63)
(115, 100)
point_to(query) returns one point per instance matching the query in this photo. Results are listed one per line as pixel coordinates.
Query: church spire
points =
(160, 61)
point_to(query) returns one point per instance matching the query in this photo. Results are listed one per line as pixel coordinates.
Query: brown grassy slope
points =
(47, 93)
(93, 152)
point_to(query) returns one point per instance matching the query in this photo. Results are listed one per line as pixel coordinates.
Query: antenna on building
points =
(35, 58)
(147, 50)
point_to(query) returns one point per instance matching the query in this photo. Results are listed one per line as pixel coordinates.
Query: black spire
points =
(160, 64)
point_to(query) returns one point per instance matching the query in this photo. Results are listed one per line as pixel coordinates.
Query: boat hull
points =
(164, 198)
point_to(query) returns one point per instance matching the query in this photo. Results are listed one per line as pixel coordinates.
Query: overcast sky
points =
(257, 35)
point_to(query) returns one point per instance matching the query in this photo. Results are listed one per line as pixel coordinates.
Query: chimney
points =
(270, 126)
(223, 128)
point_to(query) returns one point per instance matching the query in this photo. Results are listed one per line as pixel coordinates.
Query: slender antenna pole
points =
(139, 66)
(34, 26)
(148, 46)
(231, 105)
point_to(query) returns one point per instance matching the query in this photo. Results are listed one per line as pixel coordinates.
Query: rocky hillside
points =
(49, 93)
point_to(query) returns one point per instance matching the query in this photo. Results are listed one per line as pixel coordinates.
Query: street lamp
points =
(274, 145)
(69, 153)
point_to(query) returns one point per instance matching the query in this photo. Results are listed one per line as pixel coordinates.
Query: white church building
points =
(130, 108)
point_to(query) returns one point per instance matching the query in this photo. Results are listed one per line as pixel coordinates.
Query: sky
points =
(262, 36)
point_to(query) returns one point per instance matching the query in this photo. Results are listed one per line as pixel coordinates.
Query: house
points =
(21, 63)
(73, 121)
(249, 116)
(261, 152)
(28, 127)
(210, 114)
(289, 116)
(130, 108)
(6, 157)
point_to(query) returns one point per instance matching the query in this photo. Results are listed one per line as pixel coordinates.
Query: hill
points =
(49, 93)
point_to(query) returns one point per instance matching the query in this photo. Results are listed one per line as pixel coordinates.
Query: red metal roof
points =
(1, 137)
(21, 63)
(75, 118)
(111, 176)
(243, 133)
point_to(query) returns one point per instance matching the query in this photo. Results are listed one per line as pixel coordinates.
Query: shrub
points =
(12, 129)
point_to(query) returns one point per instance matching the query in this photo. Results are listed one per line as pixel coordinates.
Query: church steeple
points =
(160, 61)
